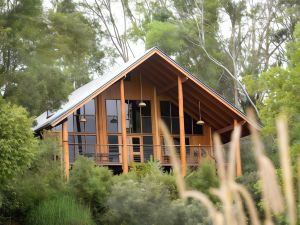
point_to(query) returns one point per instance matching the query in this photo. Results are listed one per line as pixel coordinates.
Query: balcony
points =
(111, 154)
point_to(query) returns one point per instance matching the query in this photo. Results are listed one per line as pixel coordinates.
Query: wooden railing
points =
(111, 154)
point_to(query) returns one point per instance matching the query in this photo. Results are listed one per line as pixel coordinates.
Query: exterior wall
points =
(132, 92)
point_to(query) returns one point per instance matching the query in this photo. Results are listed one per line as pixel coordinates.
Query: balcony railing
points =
(111, 154)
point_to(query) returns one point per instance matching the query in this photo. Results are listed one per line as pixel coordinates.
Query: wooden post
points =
(156, 136)
(66, 149)
(124, 135)
(238, 155)
(181, 128)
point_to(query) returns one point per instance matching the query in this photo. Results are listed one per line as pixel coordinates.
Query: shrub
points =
(204, 178)
(91, 184)
(63, 210)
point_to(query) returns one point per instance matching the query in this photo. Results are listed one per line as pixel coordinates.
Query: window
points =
(82, 131)
(113, 148)
(148, 148)
(170, 115)
(138, 119)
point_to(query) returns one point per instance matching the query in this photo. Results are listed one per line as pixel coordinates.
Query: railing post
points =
(181, 127)
(124, 135)
(66, 149)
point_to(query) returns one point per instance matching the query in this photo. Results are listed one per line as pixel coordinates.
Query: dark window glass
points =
(112, 124)
(90, 108)
(167, 121)
(148, 148)
(174, 110)
(175, 125)
(146, 111)
(90, 124)
(164, 108)
(111, 108)
(177, 144)
(79, 111)
(80, 139)
(146, 121)
(135, 117)
(113, 148)
(197, 129)
(188, 124)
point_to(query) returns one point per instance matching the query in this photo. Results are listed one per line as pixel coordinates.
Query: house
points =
(115, 119)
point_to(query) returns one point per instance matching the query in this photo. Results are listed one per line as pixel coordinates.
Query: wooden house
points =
(115, 119)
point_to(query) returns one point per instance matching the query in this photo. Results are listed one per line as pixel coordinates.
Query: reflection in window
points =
(169, 114)
(138, 120)
(82, 131)
(113, 148)
(148, 148)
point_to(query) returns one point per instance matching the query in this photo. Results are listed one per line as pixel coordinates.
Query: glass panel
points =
(167, 120)
(148, 148)
(71, 139)
(135, 117)
(80, 139)
(90, 139)
(147, 125)
(57, 128)
(70, 123)
(175, 125)
(174, 110)
(146, 111)
(90, 124)
(90, 108)
(177, 144)
(187, 143)
(136, 144)
(71, 153)
(111, 108)
(112, 124)
(188, 124)
(164, 108)
(81, 148)
(197, 129)
(79, 111)
(78, 126)
(113, 148)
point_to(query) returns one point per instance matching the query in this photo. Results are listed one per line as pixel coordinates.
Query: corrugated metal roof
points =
(88, 89)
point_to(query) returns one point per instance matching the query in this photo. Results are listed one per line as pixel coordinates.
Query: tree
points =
(49, 52)
(17, 143)
(281, 89)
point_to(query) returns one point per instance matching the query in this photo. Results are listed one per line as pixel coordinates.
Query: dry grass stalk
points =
(285, 162)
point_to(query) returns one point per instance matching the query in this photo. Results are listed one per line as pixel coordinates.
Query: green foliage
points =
(91, 184)
(149, 202)
(62, 210)
(17, 143)
(165, 36)
(43, 180)
(204, 178)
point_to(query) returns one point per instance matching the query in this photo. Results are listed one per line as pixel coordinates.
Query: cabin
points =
(114, 119)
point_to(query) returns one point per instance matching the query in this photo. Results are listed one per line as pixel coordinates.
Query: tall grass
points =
(236, 205)
(63, 210)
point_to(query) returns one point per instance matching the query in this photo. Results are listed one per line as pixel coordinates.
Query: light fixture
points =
(114, 120)
(200, 121)
(82, 119)
(141, 104)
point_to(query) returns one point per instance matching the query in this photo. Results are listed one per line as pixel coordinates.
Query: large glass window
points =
(138, 119)
(82, 131)
(170, 115)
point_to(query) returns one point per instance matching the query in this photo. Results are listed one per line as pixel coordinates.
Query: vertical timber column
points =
(157, 147)
(124, 135)
(181, 127)
(66, 149)
(238, 156)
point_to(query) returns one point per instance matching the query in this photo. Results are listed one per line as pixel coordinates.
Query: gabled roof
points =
(95, 87)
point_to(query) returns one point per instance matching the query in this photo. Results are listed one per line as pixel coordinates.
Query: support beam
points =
(171, 86)
(181, 127)
(124, 135)
(157, 148)
(66, 149)
(229, 128)
(238, 155)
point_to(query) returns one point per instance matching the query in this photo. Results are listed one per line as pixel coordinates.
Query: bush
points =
(204, 178)
(135, 202)
(43, 180)
(91, 184)
(63, 210)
